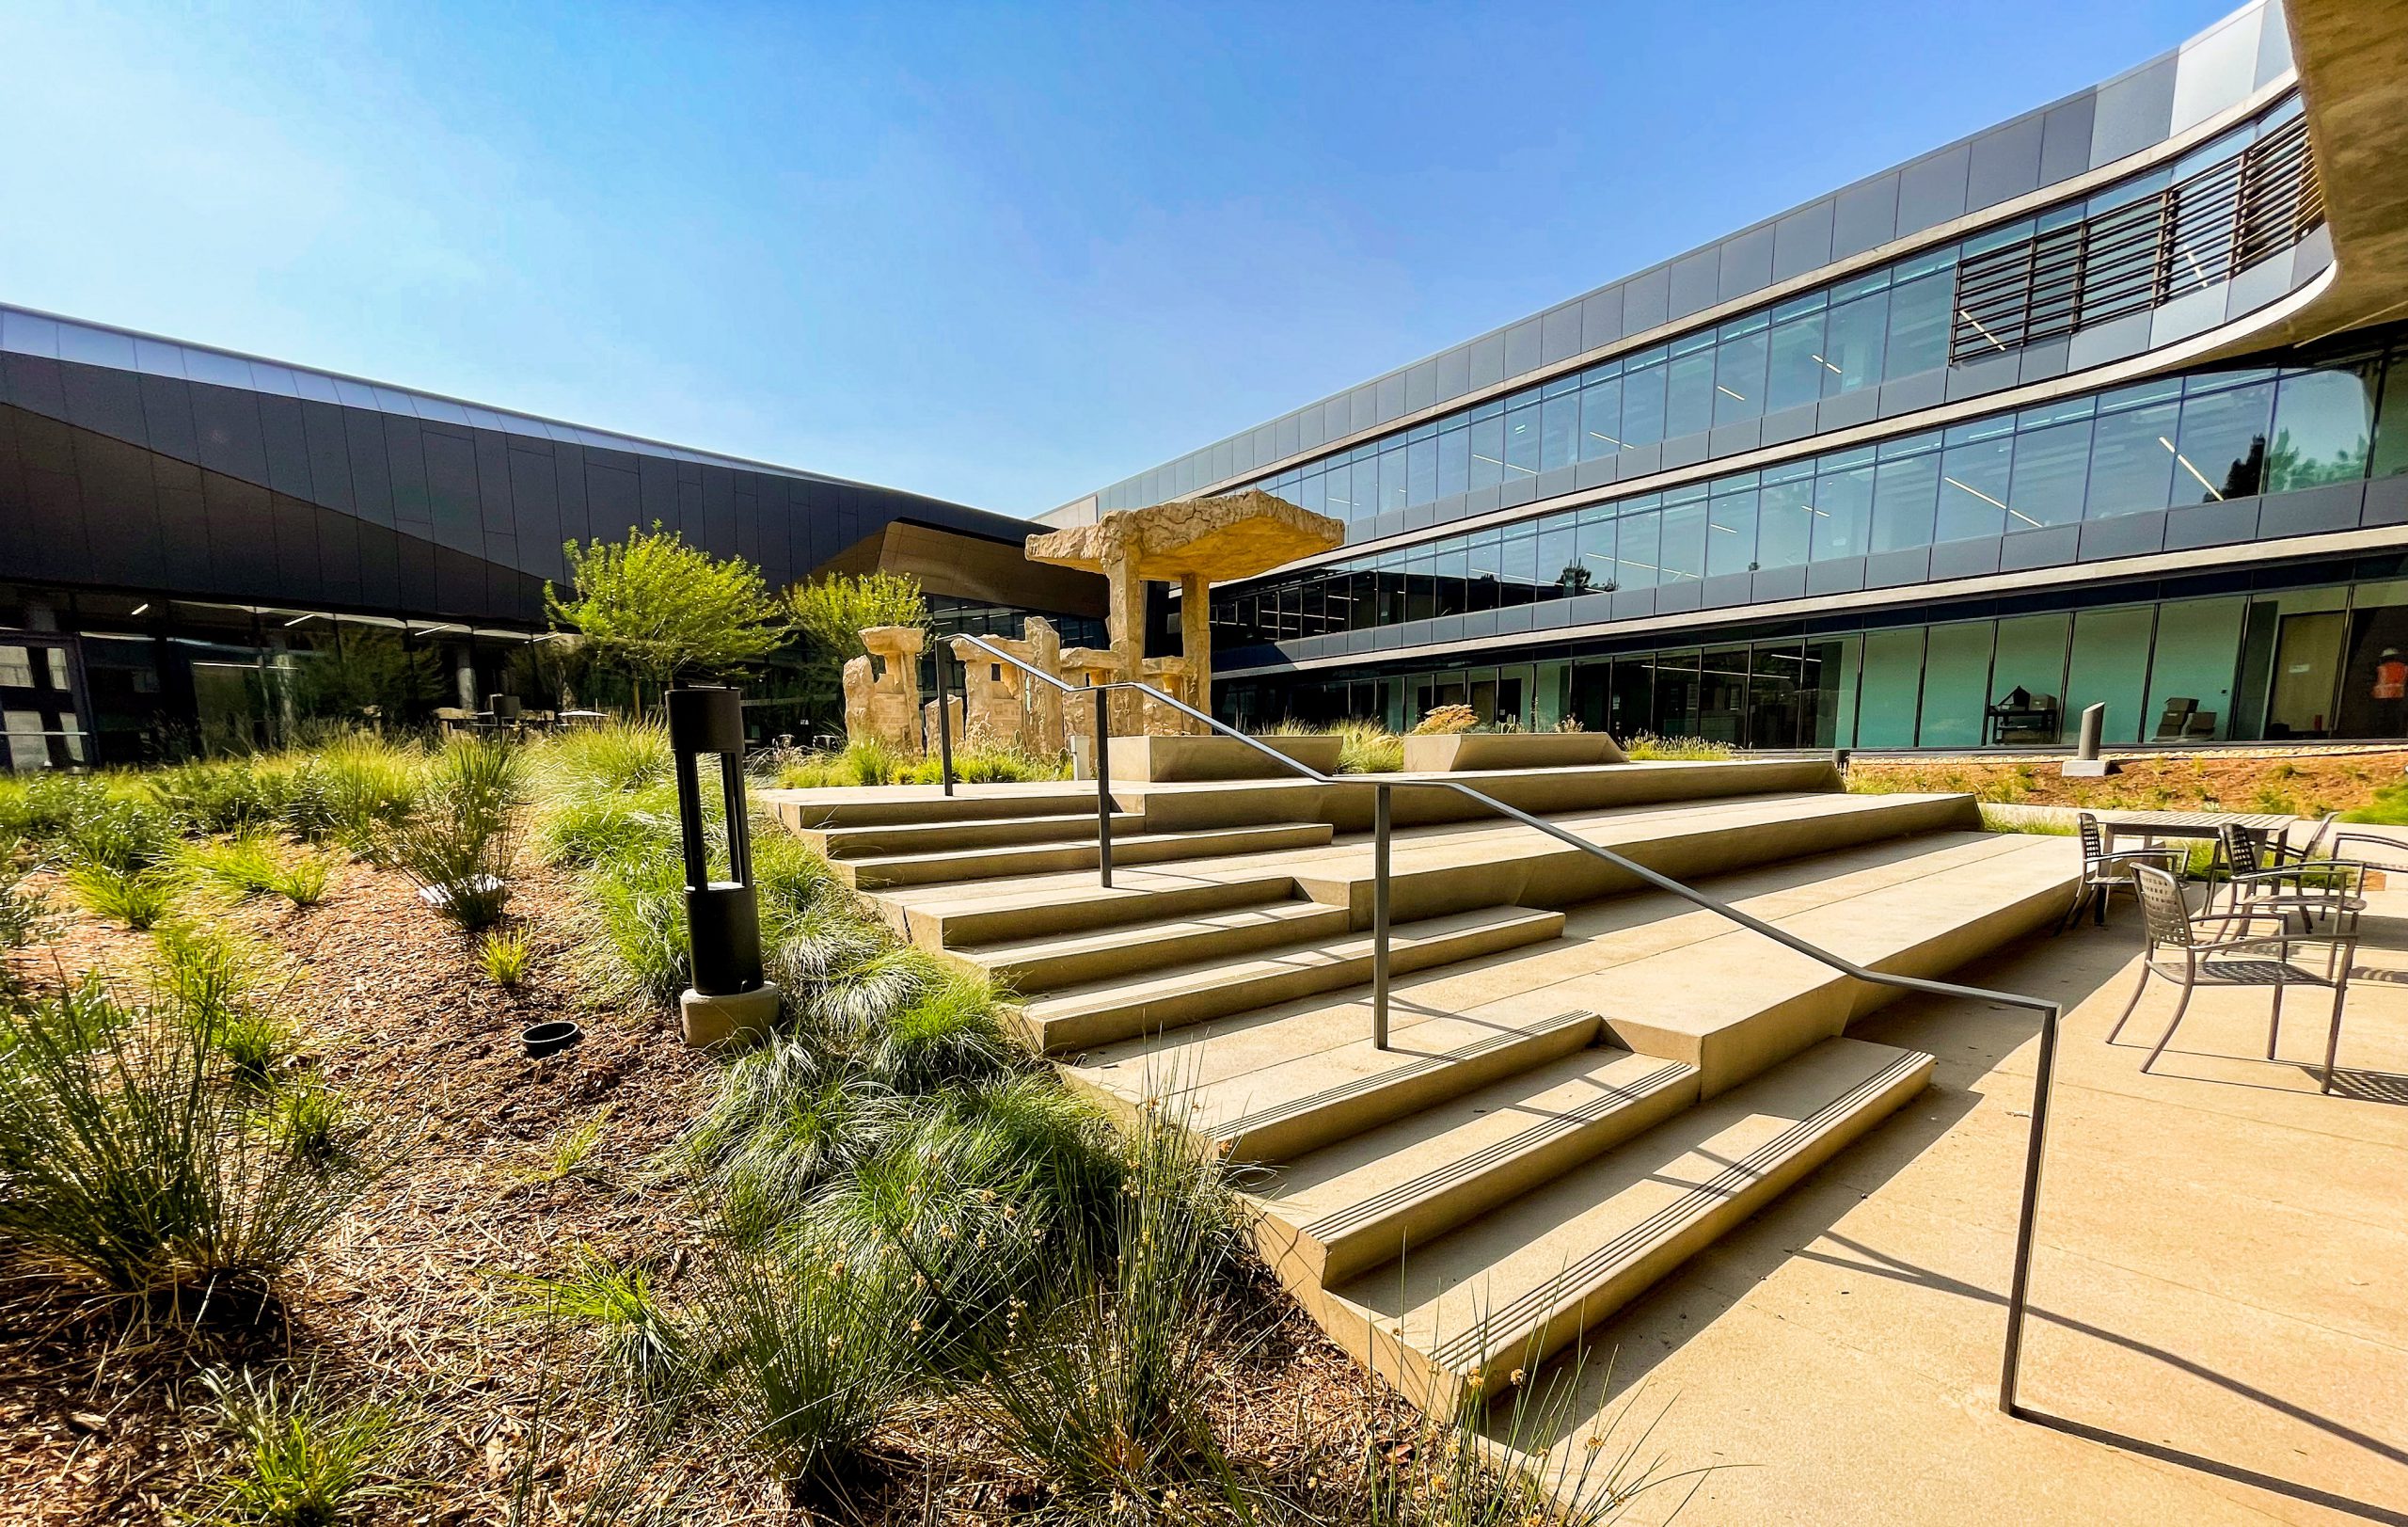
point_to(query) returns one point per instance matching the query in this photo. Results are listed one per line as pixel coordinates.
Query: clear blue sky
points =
(1004, 254)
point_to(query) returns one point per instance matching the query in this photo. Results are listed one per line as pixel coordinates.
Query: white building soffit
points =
(2151, 112)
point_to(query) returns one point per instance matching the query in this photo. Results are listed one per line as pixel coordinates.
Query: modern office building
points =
(2098, 405)
(196, 544)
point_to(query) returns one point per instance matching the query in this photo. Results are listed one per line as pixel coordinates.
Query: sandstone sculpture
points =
(882, 691)
(1193, 543)
(1005, 706)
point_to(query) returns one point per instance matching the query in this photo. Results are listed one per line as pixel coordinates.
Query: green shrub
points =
(116, 833)
(873, 762)
(641, 1341)
(303, 881)
(1648, 746)
(301, 1458)
(1103, 1398)
(580, 831)
(355, 790)
(947, 1036)
(21, 908)
(787, 1115)
(640, 951)
(216, 795)
(1366, 747)
(811, 1356)
(128, 1155)
(461, 844)
(619, 757)
(136, 897)
(243, 866)
(504, 957)
(315, 1125)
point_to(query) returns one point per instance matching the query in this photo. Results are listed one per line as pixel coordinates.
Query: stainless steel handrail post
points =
(2019, 1292)
(1380, 821)
(1103, 782)
(944, 723)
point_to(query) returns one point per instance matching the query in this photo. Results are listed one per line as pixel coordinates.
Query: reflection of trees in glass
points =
(1574, 579)
(2288, 467)
(2248, 473)
(366, 670)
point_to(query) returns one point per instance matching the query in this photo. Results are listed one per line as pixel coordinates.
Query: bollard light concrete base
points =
(2088, 767)
(715, 1020)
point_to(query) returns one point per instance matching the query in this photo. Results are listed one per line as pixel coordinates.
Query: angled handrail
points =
(2050, 1011)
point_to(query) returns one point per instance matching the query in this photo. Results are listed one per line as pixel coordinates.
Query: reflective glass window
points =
(1797, 367)
(1891, 689)
(1973, 484)
(1843, 513)
(1600, 418)
(1487, 451)
(1559, 432)
(2131, 461)
(1688, 393)
(2391, 430)
(1919, 324)
(1522, 441)
(1731, 533)
(1453, 567)
(1639, 539)
(1642, 403)
(2221, 453)
(1904, 493)
(1956, 684)
(1421, 470)
(1681, 554)
(1519, 573)
(2052, 473)
(1339, 492)
(1851, 352)
(1454, 462)
(2322, 422)
(2110, 667)
(1740, 377)
(1392, 479)
(1594, 550)
(1785, 523)
(1310, 495)
(1556, 558)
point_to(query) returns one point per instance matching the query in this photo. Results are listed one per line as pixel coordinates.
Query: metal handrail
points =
(2050, 1012)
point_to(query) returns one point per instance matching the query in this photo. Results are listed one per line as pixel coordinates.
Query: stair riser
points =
(1560, 877)
(1086, 1030)
(1135, 959)
(1349, 807)
(800, 812)
(1296, 1253)
(1009, 862)
(930, 838)
(968, 927)
(1440, 1391)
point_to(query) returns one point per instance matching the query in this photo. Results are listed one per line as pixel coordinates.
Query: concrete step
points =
(885, 804)
(1100, 1012)
(1043, 964)
(1371, 1198)
(1068, 853)
(889, 838)
(1496, 1296)
(989, 917)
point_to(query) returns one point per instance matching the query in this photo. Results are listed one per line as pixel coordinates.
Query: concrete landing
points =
(2218, 1274)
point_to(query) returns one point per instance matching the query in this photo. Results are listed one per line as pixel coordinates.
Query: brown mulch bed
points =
(2307, 784)
(102, 1421)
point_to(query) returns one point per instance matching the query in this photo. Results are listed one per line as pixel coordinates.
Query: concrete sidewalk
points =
(2219, 1272)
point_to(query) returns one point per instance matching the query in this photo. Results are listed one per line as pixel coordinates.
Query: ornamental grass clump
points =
(503, 958)
(461, 844)
(299, 1457)
(130, 1155)
(640, 1339)
(140, 899)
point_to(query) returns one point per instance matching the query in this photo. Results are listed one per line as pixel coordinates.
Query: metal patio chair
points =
(2250, 946)
(2247, 863)
(2102, 870)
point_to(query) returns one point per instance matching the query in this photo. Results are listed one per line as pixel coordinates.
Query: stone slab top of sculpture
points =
(1194, 543)
(1221, 539)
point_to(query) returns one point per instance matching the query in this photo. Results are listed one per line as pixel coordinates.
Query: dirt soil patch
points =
(102, 1422)
(2304, 784)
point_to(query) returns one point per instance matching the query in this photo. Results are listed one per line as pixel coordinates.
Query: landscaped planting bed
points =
(2363, 783)
(344, 1253)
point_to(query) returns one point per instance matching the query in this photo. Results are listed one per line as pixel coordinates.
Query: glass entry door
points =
(43, 720)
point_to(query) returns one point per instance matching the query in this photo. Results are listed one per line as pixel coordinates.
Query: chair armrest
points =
(2397, 851)
(2173, 856)
(2226, 919)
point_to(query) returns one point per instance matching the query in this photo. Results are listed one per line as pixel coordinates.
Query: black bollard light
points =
(729, 998)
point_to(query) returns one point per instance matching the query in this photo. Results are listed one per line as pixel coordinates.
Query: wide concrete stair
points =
(1587, 1080)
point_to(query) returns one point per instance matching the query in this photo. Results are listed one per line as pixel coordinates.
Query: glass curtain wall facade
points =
(2034, 421)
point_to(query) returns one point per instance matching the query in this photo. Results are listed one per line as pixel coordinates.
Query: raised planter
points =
(1164, 760)
(1464, 751)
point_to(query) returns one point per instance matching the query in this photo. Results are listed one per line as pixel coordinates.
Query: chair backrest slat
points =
(2163, 909)
(2240, 849)
(2093, 840)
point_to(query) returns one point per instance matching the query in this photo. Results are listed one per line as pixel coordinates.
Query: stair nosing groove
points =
(1238, 1127)
(1297, 910)
(1693, 1202)
(1338, 1221)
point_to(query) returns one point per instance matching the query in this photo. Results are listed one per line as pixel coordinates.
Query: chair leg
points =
(2333, 1037)
(2099, 904)
(2073, 910)
(2176, 1022)
(2125, 1016)
(2274, 1024)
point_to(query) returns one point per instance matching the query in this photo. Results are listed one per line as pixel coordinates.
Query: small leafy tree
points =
(664, 610)
(832, 612)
